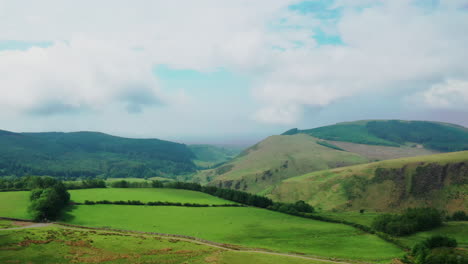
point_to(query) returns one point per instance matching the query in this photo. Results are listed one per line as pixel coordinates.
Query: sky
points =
(229, 71)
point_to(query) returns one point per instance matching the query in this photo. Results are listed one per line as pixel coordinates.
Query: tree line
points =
(412, 220)
(157, 203)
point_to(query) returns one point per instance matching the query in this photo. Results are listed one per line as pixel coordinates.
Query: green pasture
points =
(14, 204)
(249, 227)
(56, 245)
(145, 195)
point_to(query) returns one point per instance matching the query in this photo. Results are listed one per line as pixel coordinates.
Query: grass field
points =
(14, 204)
(57, 245)
(242, 226)
(145, 195)
(354, 217)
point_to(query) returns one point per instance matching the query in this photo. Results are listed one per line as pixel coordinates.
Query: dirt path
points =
(32, 225)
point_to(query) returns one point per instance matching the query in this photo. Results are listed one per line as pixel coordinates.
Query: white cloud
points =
(79, 75)
(104, 51)
(451, 94)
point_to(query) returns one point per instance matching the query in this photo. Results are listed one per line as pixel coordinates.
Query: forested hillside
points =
(432, 135)
(91, 154)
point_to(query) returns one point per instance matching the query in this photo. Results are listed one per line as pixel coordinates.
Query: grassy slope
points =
(274, 159)
(244, 226)
(145, 195)
(335, 188)
(376, 153)
(97, 247)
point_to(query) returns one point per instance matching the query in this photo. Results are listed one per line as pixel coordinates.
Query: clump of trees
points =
(86, 184)
(437, 250)
(411, 221)
(48, 199)
(292, 208)
(458, 216)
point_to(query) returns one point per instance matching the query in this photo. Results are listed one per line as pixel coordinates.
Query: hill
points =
(207, 156)
(274, 159)
(395, 133)
(91, 154)
(439, 181)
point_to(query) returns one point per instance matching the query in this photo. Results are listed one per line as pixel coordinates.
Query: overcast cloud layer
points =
(302, 64)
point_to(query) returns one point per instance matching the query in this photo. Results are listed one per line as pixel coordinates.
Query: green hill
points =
(274, 159)
(439, 181)
(207, 156)
(90, 154)
(432, 135)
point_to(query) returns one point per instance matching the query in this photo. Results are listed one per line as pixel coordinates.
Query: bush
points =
(459, 216)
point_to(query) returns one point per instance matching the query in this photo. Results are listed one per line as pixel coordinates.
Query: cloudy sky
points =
(229, 70)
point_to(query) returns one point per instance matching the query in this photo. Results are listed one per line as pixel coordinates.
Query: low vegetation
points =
(56, 245)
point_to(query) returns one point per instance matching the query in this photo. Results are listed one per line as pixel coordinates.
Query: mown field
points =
(145, 195)
(57, 245)
(249, 227)
(14, 204)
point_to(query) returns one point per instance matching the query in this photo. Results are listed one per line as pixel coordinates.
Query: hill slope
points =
(438, 180)
(432, 135)
(89, 154)
(274, 159)
(209, 155)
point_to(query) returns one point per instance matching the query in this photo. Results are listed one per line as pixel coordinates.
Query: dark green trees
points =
(48, 200)
(412, 220)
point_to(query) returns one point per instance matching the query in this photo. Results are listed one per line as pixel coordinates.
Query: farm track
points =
(178, 237)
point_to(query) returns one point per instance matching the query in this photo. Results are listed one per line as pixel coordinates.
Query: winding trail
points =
(227, 247)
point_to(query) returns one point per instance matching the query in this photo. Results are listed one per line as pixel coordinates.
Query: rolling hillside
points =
(90, 154)
(207, 156)
(439, 181)
(297, 152)
(395, 133)
(274, 159)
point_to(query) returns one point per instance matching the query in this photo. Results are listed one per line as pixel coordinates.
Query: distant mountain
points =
(296, 152)
(207, 156)
(274, 159)
(432, 135)
(439, 181)
(91, 154)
